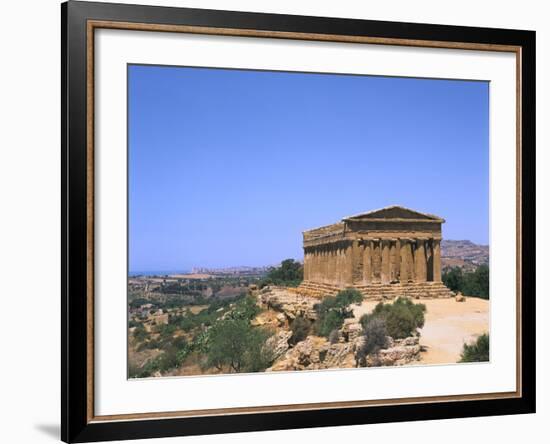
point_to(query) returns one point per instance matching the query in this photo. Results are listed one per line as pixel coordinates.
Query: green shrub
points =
(167, 361)
(235, 344)
(140, 334)
(453, 279)
(300, 328)
(477, 282)
(166, 330)
(472, 283)
(150, 367)
(289, 274)
(332, 311)
(329, 321)
(334, 336)
(476, 352)
(200, 341)
(327, 304)
(402, 318)
(340, 302)
(245, 309)
(207, 317)
(149, 345)
(375, 332)
(258, 356)
(174, 353)
(348, 296)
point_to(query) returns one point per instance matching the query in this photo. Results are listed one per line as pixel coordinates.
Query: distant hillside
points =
(463, 253)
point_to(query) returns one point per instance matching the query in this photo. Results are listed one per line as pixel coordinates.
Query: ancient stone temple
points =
(384, 253)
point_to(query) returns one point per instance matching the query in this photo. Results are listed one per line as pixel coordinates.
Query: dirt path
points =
(449, 324)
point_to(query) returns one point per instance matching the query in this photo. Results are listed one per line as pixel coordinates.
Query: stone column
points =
(318, 264)
(325, 264)
(342, 264)
(385, 264)
(348, 269)
(330, 267)
(420, 261)
(367, 264)
(412, 269)
(376, 261)
(394, 259)
(334, 255)
(404, 263)
(429, 260)
(436, 260)
(337, 264)
(357, 262)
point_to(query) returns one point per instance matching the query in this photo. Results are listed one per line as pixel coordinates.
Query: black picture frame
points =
(76, 325)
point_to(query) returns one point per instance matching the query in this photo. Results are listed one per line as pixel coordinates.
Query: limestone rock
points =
(281, 319)
(304, 355)
(315, 353)
(278, 343)
(401, 352)
(351, 329)
(411, 340)
(339, 356)
(258, 321)
(358, 343)
(290, 304)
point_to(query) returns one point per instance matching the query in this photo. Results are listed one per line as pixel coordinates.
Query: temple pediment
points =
(394, 213)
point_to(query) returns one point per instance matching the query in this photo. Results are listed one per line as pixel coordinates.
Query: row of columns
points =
(365, 261)
(400, 260)
(329, 263)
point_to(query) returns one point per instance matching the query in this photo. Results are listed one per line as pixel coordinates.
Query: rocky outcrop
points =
(400, 352)
(316, 353)
(290, 304)
(351, 329)
(340, 355)
(278, 343)
(281, 320)
(460, 297)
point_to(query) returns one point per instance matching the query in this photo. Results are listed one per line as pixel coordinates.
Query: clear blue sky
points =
(228, 167)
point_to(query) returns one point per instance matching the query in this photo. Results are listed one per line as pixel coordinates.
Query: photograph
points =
(274, 222)
(283, 221)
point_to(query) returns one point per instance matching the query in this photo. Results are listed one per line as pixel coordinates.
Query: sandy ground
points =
(196, 309)
(449, 324)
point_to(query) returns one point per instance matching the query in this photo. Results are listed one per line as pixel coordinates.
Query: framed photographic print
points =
(275, 221)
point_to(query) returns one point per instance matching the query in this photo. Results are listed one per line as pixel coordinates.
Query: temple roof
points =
(394, 212)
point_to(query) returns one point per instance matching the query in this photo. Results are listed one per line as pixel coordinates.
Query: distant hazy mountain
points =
(463, 253)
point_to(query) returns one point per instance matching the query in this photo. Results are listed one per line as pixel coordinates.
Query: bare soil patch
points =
(448, 326)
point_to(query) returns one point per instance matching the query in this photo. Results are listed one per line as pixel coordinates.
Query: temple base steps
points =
(316, 289)
(378, 291)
